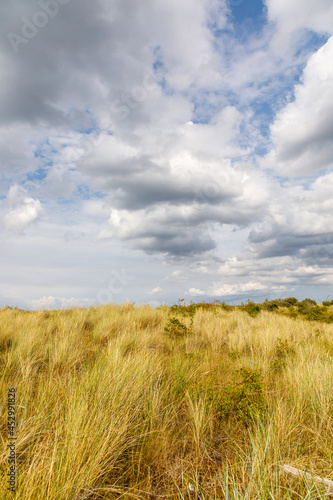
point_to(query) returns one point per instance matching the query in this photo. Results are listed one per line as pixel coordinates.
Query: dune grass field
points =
(203, 401)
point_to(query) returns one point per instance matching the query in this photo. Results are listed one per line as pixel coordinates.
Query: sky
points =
(155, 150)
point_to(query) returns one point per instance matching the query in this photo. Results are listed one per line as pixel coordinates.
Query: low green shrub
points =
(185, 311)
(283, 349)
(320, 314)
(288, 302)
(306, 305)
(244, 401)
(270, 305)
(252, 309)
(175, 328)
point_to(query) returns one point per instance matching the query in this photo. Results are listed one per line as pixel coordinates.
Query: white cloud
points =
(17, 148)
(22, 210)
(292, 247)
(195, 292)
(227, 289)
(187, 49)
(302, 131)
(104, 234)
(174, 276)
(296, 15)
(58, 302)
(157, 289)
(234, 289)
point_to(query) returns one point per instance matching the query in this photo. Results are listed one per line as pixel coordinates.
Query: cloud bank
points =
(187, 143)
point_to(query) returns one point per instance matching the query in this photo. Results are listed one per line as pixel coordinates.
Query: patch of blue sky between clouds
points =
(158, 62)
(311, 42)
(248, 16)
(40, 174)
(41, 148)
(245, 17)
(207, 103)
(92, 127)
(85, 192)
(88, 131)
(159, 71)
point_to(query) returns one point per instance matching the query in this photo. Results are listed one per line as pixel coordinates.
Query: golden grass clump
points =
(125, 401)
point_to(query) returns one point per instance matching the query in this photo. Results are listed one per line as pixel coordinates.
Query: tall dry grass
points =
(110, 406)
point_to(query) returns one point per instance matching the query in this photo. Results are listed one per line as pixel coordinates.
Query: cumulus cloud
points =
(273, 275)
(234, 289)
(302, 131)
(195, 292)
(155, 290)
(110, 47)
(179, 222)
(292, 17)
(51, 302)
(161, 231)
(17, 149)
(223, 290)
(21, 210)
(293, 230)
(164, 195)
(292, 249)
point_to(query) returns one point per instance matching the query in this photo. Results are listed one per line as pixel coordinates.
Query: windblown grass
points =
(114, 403)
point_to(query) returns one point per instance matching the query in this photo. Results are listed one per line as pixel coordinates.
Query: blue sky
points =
(158, 150)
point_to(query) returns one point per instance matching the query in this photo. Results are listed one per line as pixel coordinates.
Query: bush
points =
(243, 402)
(282, 350)
(320, 314)
(185, 311)
(270, 305)
(288, 302)
(306, 305)
(175, 328)
(252, 309)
